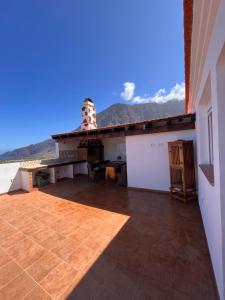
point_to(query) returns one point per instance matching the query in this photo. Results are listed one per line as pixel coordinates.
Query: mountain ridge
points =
(118, 113)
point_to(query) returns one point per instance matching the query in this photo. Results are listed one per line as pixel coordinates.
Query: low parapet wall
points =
(19, 176)
(10, 179)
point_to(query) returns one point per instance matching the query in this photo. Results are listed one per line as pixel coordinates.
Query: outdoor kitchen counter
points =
(34, 165)
(56, 168)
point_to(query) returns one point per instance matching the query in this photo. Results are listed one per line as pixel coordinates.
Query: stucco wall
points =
(211, 73)
(210, 210)
(147, 159)
(9, 177)
(81, 168)
(64, 171)
(24, 175)
(114, 147)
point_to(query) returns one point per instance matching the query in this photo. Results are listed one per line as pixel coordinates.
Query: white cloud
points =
(161, 96)
(128, 92)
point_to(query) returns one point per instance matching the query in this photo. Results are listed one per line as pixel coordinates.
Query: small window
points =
(210, 133)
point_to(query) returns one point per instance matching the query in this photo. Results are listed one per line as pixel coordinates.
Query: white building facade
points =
(205, 83)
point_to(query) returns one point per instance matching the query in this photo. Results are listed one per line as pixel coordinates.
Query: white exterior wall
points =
(64, 171)
(81, 168)
(148, 160)
(114, 147)
(52, 178)
(212, 77)
(9, 177)
(24, 177)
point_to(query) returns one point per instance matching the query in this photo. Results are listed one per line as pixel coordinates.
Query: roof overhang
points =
(175, 123)
(188, 20)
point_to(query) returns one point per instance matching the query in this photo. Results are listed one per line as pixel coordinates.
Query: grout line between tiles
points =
(28, 237)
(49, 250)
(14, 277)
(24, 270)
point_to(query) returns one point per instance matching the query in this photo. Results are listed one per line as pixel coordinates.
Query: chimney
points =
(88, 115)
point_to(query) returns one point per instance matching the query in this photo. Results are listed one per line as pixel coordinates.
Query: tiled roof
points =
(173, 123)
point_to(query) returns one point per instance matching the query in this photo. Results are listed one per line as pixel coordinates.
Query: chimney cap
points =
(88, 100)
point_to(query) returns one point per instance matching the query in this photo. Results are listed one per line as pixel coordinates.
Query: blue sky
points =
(53, 54)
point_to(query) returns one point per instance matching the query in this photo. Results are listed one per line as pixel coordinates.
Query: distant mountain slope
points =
(115, 114)
(123, 113)
(45, 149)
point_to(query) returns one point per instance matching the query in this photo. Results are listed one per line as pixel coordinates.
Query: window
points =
(210, 136)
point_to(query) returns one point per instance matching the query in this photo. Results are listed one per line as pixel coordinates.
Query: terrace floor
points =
(79, 240)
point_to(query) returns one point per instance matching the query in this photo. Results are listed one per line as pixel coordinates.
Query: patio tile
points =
(162, 274)
(19, 221)
(109, 230)
(37, 293)
(155, 293)
(4, 258)
(88, 286)
(10, 214)
(97, 241)
(121, 285)
(64, 227)
(5, 211)
(3, 224)
(45, 218)
(8, 272)
(31, 227)
(58, 279)
(25, 252)
(81, 257)
(17, 288)
(65, 248)
(29, 211)
(89, 225)
(12, 239)
(117, 243)
(80, 234)
(6, 232)
(40, 268)
(53, 241)
(42, 234)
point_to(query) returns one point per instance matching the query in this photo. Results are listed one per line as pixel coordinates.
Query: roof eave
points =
(188, 20)
(174, 123)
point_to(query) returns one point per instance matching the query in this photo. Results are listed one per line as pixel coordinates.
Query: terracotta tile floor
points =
(79, 240)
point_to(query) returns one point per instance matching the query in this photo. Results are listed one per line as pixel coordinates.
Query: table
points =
(112, 168)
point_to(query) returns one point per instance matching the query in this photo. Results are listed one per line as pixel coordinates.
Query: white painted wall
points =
(212, 76)
(220, 147)
(148, 161)
(81, 168)
(64, 171)
(114, 147)
(209, 195)
(24, 177)
(9, 177)
(52, 178)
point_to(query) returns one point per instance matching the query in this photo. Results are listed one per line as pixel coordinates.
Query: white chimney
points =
(88, 115)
